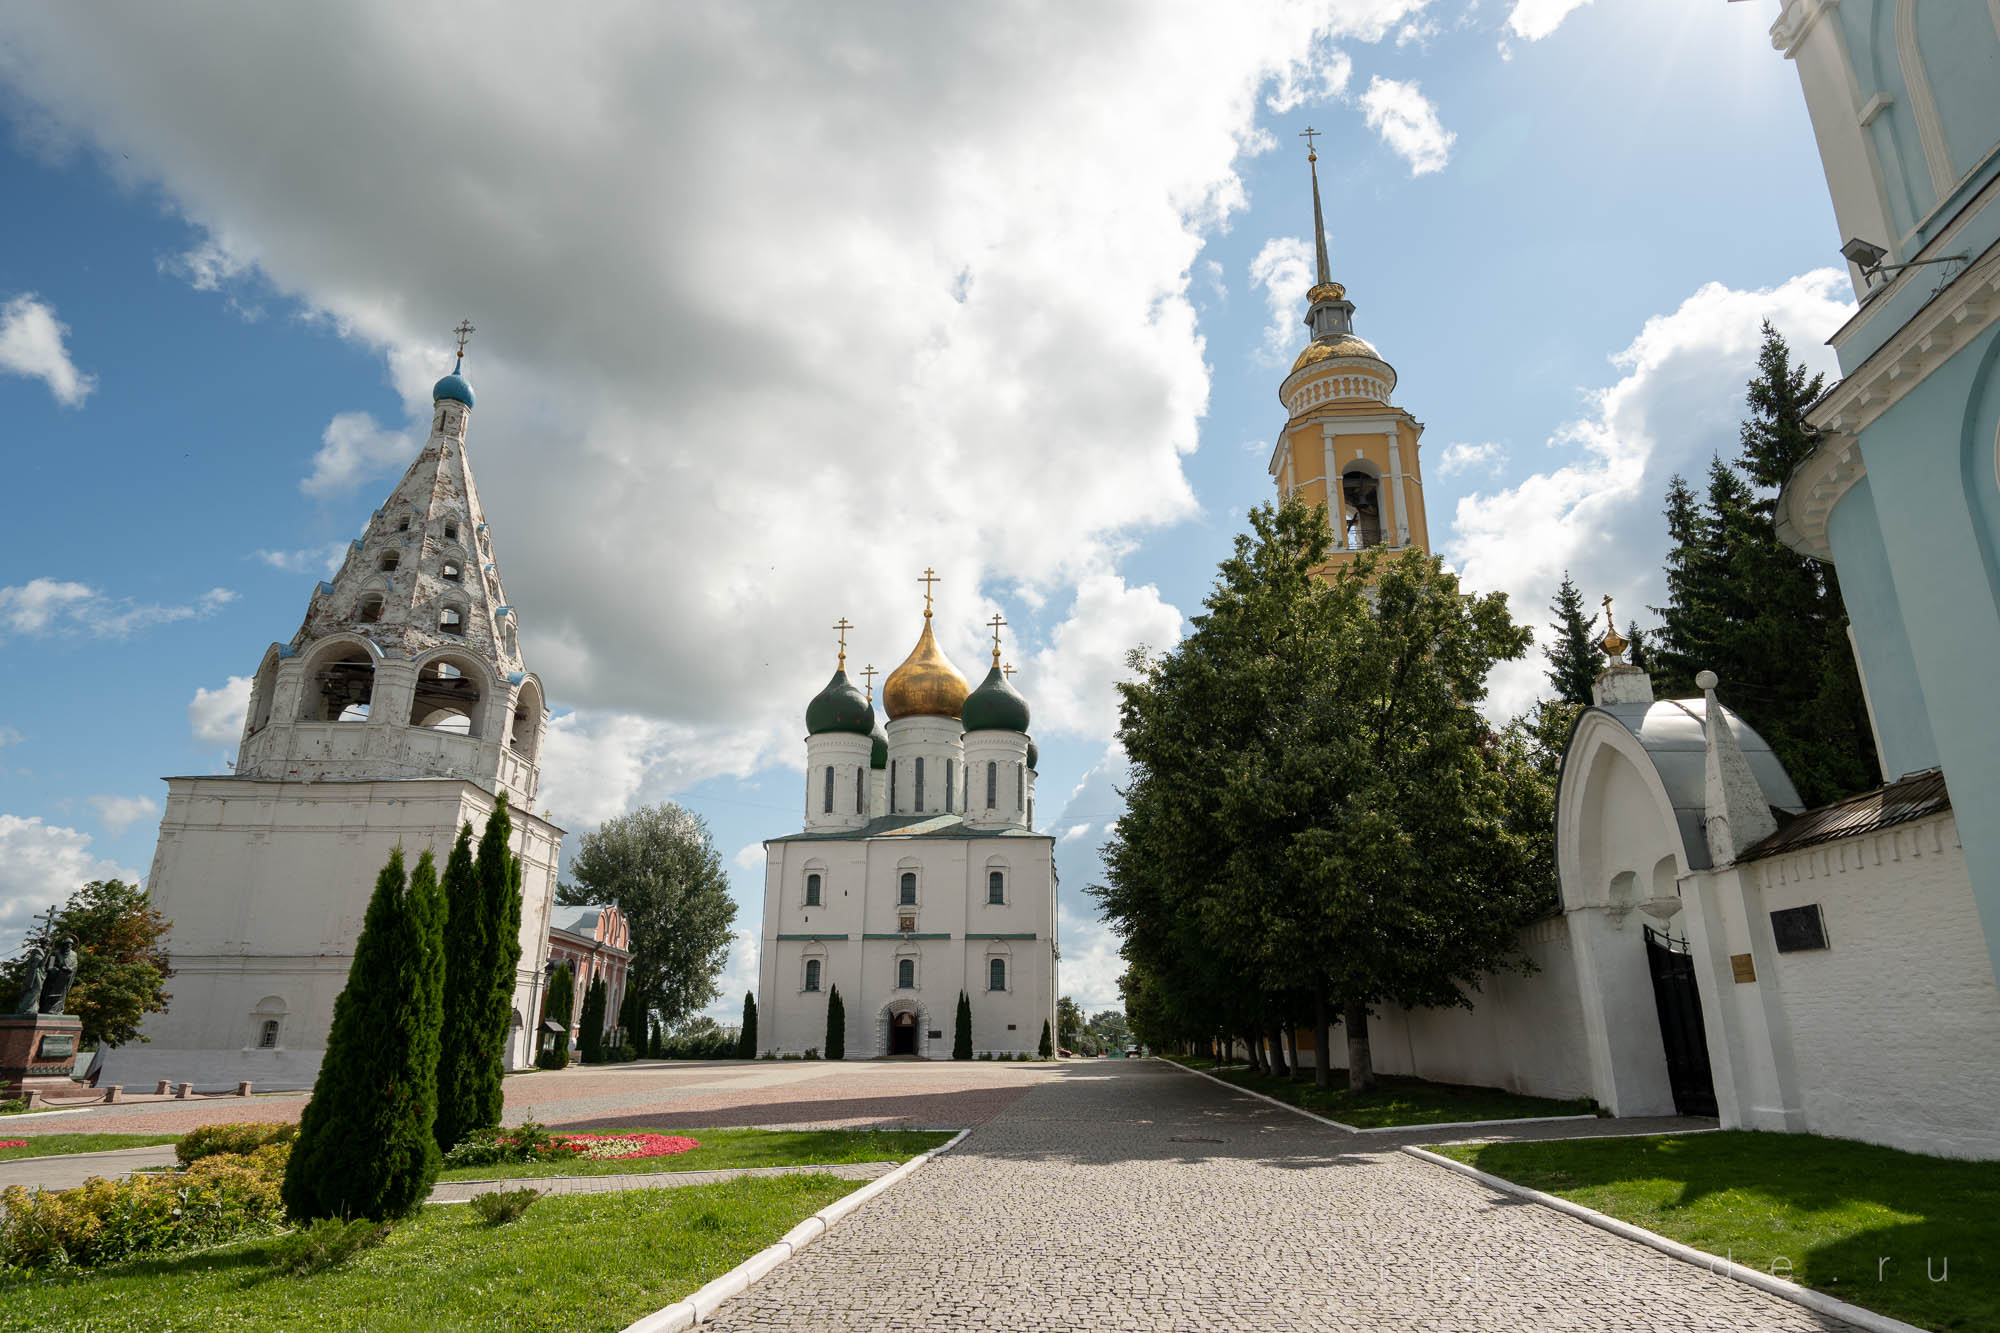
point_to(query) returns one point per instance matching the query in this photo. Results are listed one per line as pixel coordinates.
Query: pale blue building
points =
(1904, 494)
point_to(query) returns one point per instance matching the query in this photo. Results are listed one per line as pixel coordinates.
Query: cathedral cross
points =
(929, 577)
(1609, 623)
(868, 673)
(1008, 670)
(843, 627)
(997, 623)
(464, 332)
(1309, 135)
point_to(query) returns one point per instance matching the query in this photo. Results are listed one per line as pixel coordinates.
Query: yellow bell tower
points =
(1345, 443)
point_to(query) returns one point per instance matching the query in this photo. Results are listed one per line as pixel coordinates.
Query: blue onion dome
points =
(879, 757)
(839, 707)
(1034, 756)
(454, 387)
(995, 706)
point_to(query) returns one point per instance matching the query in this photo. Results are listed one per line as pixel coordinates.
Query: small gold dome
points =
(1345, 344)
(1327, 291)
(926, 685)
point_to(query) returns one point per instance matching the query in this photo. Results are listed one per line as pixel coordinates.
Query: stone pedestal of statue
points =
(38, 1053)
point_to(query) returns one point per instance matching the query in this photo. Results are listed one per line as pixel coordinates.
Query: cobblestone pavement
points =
(1133, 1196)
(458, 1191)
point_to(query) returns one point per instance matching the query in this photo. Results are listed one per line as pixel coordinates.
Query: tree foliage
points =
(365, 1146)
(836, 1026)
(590, 1028)
(122, 962)
(746, 1042)
(659, 865)
(1047, 1048)
(961, 1035)
(482, 952)
(1319, 820)
(1571, 653)
(1069, 1022)
(557, 1006)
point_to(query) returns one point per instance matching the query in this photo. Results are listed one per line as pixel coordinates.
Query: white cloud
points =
(353, 449)
(9, 736)
(1457, 458)
(42, 864)
(1536, 19)
(739, 977)
(324, 560)
(1408, 122)
(1284, 269)
(1073, 688)
(749, 857)
(1418, 31)
(216, 716)
(1074, 832)
(1321, 76)
(31, 345)
(596, 765)
(43, 606)
(1090, 965)
(1597, 512)
(727, 391)
(118, 813)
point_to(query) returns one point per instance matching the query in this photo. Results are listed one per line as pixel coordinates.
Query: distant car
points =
(1066, 1054)
(1131, 1052)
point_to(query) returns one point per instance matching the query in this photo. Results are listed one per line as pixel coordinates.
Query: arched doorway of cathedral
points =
(902, 1028)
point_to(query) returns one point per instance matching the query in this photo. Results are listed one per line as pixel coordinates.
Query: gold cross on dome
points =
(997, 623)
(1611, 624)
(464, 332)
(868, 673)
(929, 577)
(1312, 150)
(843, 627)
(1008, 670)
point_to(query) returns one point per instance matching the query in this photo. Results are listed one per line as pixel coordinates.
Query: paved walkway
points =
(1136, 1196)
(72, 1169)
(458, 1191)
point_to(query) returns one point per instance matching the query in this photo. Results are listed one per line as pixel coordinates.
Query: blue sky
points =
(772, 315)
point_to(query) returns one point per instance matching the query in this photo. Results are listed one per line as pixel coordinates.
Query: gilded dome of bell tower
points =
(926, 684)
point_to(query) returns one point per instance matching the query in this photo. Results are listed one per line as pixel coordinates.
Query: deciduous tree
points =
(122, 962)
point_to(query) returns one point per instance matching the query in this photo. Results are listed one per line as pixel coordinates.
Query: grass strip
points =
(1909, 1236)
(576, 1262)
(725, 1148)
(61, 1145)
(1395, 1100)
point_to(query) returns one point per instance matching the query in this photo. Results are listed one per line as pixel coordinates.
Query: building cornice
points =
(1795, 22)
(1813, 489)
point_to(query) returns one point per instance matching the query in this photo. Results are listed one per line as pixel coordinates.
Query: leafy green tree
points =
(660, 866)
(1572, 656)
(482, 953)
(558, 1006)
(590, 1028)
(836, 1026)
(961, 1036)
(746, 1043)
(122, 962)
(365, 1146)
(1047, 1049)
(1069, 1021)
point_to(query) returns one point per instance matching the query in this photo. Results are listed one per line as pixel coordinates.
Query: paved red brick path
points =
(707, 1094)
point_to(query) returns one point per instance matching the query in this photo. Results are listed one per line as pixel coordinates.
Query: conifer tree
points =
(365, 1147)
(1047, 1048)
(836, 1026)
(1638, 651)
(746, 1042)
(559, 1007)
(590, 1028)
(498, 872)
(961, 1037)
(632, 1017)
(464, 928)
(1571, 655)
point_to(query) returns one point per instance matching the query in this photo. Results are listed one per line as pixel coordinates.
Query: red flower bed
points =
(623, 1147)
(13, 1143)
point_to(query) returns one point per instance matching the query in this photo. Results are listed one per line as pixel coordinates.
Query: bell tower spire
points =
(1325, 271)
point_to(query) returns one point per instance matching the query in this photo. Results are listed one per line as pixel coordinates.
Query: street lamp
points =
(1868, 256)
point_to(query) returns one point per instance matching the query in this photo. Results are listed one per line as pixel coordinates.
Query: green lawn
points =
(1395, 1101)
(56, 1145)
(722, 1148)
(578, 1262)
(1832, 1208)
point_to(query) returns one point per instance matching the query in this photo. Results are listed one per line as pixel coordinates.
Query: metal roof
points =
(908, 826)
(1913, 796)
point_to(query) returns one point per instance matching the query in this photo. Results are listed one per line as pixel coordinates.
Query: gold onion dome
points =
(926, 685)
(1345, 344)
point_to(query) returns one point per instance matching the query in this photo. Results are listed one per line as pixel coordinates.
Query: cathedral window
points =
(812, 890)
(917, 775)
(451, 572)
(812, 974)
(906, 974)
(525, 734)
(827, 804)
(447, 699)
(451, 621)
(403, 525)
(996, 888)
(1020, 785)
(860, 791)
(947, 786)
(992, 785)
(339, 686)
(892, 787)
(267, 1038)
(451, 529)
(996, 974)
(389, 561)
(907, 894)
(369, 610)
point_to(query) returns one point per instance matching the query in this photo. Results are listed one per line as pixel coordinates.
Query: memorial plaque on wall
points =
(1797, 929)
(56, 1046)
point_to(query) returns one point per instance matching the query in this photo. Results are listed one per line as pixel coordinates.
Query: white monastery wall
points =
(300, 861)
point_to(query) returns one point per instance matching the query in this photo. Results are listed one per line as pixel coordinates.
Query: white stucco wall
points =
(266, 883)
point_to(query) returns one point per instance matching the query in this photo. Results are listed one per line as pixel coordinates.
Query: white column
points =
(1336, 509)
(1396, 489)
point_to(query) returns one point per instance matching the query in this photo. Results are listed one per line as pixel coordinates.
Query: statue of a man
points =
(31, 986)
(62, 971)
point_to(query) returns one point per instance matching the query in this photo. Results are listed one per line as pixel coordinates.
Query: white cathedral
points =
(398, 712)
(918, 873)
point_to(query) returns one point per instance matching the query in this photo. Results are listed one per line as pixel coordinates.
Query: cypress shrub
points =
(746, 1044)
(558, 1006)
(482, 950)
(590, 1029)
(464, 925)
(1048, 1047)
(365, 1147)
(499, 876)
(836, 1026)
(961, 1037)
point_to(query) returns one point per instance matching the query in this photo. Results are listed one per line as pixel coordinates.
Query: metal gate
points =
(1681, 1031)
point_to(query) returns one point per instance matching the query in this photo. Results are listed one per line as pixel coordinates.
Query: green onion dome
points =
(995, 706)
(839, 707)
(1034, 756)
(880, 757)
